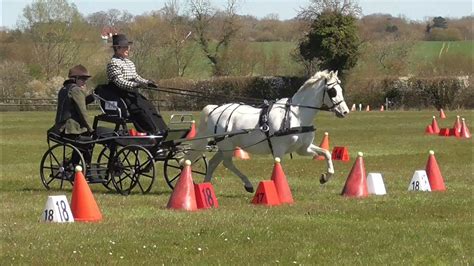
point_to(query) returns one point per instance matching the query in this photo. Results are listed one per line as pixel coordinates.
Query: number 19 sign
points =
(57, 210)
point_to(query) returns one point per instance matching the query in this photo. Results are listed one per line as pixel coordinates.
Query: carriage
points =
(122, 159)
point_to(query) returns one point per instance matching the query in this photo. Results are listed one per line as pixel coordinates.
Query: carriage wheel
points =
(57, 167)
(132, 166)
(172, 169)
(103, 161)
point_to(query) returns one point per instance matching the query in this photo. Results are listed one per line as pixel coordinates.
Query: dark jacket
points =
(71, 115)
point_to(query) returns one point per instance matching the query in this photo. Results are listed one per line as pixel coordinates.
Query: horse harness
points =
(285, 128)
(263, 122)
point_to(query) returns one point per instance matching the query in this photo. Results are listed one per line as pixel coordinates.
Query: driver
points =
(71, 115)
(125, 81)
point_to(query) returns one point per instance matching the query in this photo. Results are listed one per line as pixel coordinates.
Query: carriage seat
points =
(114, 110)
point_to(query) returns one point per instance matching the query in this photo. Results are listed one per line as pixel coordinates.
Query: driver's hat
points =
(78, 71)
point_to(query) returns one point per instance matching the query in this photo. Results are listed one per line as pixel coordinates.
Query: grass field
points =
(322, 227)
(432, 50)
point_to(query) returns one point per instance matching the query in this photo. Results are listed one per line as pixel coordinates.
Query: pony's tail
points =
(198, 147)
(204, 118)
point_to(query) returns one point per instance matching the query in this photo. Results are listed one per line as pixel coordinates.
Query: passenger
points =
(71, 115)
(123, 78)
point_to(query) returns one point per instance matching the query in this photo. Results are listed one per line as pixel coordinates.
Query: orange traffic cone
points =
(429, 130)
(340, 153)
(266, 194)
(241, 154)
(281, 184)
(83, 205)
(382, 108)
(325, 145)
(356, 183)
(183, 196)
(367, 109)
(192, 132)
(353, 108)
(434, 174)
(434, 125)
(441, 114)
(465, 133)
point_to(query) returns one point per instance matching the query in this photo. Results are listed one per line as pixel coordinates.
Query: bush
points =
(444, 35)
(415, 92)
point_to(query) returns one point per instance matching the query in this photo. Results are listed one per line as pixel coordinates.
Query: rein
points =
(255, 101)
(198, 94)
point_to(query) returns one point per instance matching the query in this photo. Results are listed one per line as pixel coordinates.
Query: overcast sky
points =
(11, 10)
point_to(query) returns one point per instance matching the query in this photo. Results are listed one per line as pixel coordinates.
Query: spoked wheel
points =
(57, 166)
(133, 166)
(102, 162)
(172, 168)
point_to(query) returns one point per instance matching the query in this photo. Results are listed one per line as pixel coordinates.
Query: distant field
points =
(431, 50)
(322, 227)
(200, 67)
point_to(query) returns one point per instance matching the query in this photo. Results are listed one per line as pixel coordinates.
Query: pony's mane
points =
(319, 75)
(315, 78)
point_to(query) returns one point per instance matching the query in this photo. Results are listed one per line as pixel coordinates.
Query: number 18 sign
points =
(57, 210)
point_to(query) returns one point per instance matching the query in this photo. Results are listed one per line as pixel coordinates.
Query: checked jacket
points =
(122, 72)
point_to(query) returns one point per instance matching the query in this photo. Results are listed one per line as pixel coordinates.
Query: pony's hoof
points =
(249, 189)
(324, 178)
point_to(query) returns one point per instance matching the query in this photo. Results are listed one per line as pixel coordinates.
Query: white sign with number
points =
(419, 182)
(111, 105)
(57, 210)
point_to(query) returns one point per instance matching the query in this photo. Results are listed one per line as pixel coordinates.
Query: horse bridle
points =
(331, 92)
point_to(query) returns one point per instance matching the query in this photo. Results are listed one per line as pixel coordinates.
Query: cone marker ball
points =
(277, 159)
(431, 152)
(360, 154)
(78, 168)
(187, 162)
(326, 133)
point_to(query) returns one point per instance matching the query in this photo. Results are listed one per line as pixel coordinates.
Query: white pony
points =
(287, 126)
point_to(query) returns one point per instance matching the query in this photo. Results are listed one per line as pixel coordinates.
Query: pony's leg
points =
(213, 163)
(227, 157)
(315, 150)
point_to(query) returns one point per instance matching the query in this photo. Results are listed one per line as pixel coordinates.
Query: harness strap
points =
(286, 119)
(230, 115)
(294, 130)
(219, 118)
(263, 122)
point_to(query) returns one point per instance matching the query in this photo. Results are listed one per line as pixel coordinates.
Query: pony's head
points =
(333, 97)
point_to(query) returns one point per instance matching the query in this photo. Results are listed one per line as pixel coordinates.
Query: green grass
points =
(431, 50)
(322, 227)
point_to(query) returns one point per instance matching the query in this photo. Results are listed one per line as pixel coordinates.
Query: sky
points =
(420, 10)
